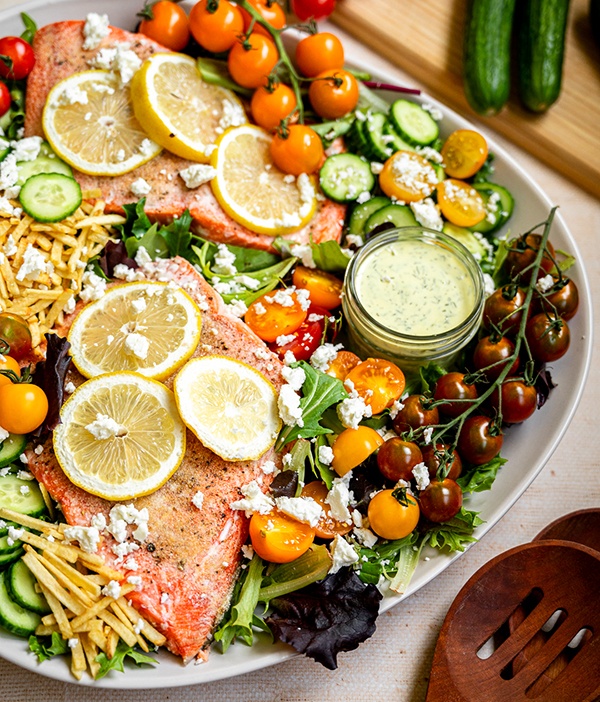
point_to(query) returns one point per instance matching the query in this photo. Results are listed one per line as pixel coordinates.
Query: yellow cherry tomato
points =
(8, 364)
(460, 203)
(379, 382)
(325, 289)
(464, 153)
(352, 447)
(278, 538)
(393, 514)
(23, 407)
(407, 176)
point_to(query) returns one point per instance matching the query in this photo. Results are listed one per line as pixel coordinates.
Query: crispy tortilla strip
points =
(74, 575)
(69, 553)
(49, 582)
(99, 638)
(112, 641)
(31, 522)
(58, 612)
(152, 634)
(99, 606)
(116, 626)
(125, 621)
(91, 651)
(78, 662)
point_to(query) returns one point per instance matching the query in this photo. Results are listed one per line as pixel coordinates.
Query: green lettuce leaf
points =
(58, 646)
(116, 662)
(456, 533)
(480, 478)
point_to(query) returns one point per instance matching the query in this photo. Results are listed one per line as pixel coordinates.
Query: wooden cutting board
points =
(424, 38)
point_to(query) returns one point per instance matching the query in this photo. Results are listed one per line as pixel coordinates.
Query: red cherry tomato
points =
(216, 31)
(168, 25)
(548, 337)
(562, 299)
(269, 10)
(251, 60)
(522, 253)
(5, 99)
(479, 440)
(518, 401)
(432, 458)
(452, 386)
(20, 58)
(503, 309)
(397, 458)
(14, 330)
(492, 354)
(271, 106)
(319, 52)
(307, 338)
(317, 9)
(333, 93)
(298, 150)
(414, 415)
(441, 500)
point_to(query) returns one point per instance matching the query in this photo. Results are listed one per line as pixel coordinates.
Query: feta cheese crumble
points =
(342, 553)
(105, 427)
(254, 500)
(94, 30)
(303, 509)
(198, 500)
(140, 187)
(197, 174)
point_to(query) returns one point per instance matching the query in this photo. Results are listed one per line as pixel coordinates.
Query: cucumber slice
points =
(11, 496)
(467, 239)
(499, 205)
(8, 557)
(361, 213)
(343, 177)
(355, 138)
(6, 547)
(11, 448)
(377, 149)
(413, 123)
(20, 583)
(50, 197)
(398, 215)
(13, 617)
(394, 140)
(4, 529)
(42, 164)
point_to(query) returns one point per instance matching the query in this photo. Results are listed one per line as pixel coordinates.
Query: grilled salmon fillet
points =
(59, 53)
(189, 561)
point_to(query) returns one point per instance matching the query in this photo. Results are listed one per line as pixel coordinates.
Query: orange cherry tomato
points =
(279, 538)
(271, 106)
(325, 289)
(379, 382)
(393, 514)
(352, 447)
(23, 407)
(460, 203)
(272, 316)
(216, 30)
(319, 52)
(333, 93)
(269, 10)
(464, 153)
(327, 527)
(251, 60)
(166, 23)
(8, 364)
(408, 177)
(297, 150)
(342, 364)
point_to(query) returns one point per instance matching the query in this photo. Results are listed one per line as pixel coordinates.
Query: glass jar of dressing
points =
(412, 295)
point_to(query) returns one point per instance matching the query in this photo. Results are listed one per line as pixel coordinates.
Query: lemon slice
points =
(253, 191)
(178, 109)
(88, 120)
(120, 436)
(151, 328)
(230, 407)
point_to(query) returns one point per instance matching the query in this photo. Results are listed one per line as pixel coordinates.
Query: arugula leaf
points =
(250, 260)
(116, 662)
(177, 235)
(30, 28)
(136, 220)
(480, 478)
(58, 646)
(152, 240)
(327, 256)
(319, 392)
(456, 533)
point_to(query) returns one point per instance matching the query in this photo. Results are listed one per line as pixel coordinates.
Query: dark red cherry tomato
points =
(503, 310)
(452, 386)
(441, 500)
(522, 254)
(19, 59)
(317, 9)
(14, 330)
(491, 353)
(307, 338)
(432, 457)
(397, 458)
(5, 99)
(414, 415)
(548, 337)
(562, 299)
(480, 440)
(519, 401)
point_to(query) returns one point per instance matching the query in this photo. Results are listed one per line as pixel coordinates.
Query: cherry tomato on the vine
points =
(216, 26)
(15, 331)
(492, 353)
(272, 105)
(548, 337)
(394, 182)
(480, 440)
(441, 500)
(562, 299)
(460, 203)
(433, 457)
(5, 99)
(503, 309)
(307, 338)
(522, 253)
(452, 386)
(269, 10)
(516, 400)
(19, 60)
(414, 415)
(396, 459)
(327, 527)
(464, 152)
(251, 60)
(379, 382)
(8, 364)
(297, 149)
(342, 364)
(268, 318)
(333, 93)
(393, 514)
(353, 446)
(23, 407)
(279, 538)
(315, 9)
(319, 52)
(325, 289)
(167, 24)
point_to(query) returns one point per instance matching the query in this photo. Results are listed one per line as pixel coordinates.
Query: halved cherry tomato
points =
(20, 58)
(5, 99)
(379, 382)
(441, 500)
(397, 458)
(251, 60)
(333, 93)
(278, 538)
(480, 440)
(407, 176)
(492, 353)
(319, 52)
(327, 527)
(522, 253)
(23, 407)
(464, 152)
(167, 24)
(272, 105)
(518, 401)
(342, 364)
(8, 364)
(325, 289)
(15, 331)
(274, 314)
(315, 9)
(297, 149)
(433, 456)
(393, 514)
(452, 386)
(352, 447)
(269, 10)
(460, 203)
(216, 26)
(414, 415)
(307, 338)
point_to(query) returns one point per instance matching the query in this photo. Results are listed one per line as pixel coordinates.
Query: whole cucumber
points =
(487, 54)
(542, 27)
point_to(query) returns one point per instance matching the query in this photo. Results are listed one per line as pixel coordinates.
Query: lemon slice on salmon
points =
(120, 436)
(178, 109)
(230, 407)
(147, 327)
(253, 191)
(88, 120)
